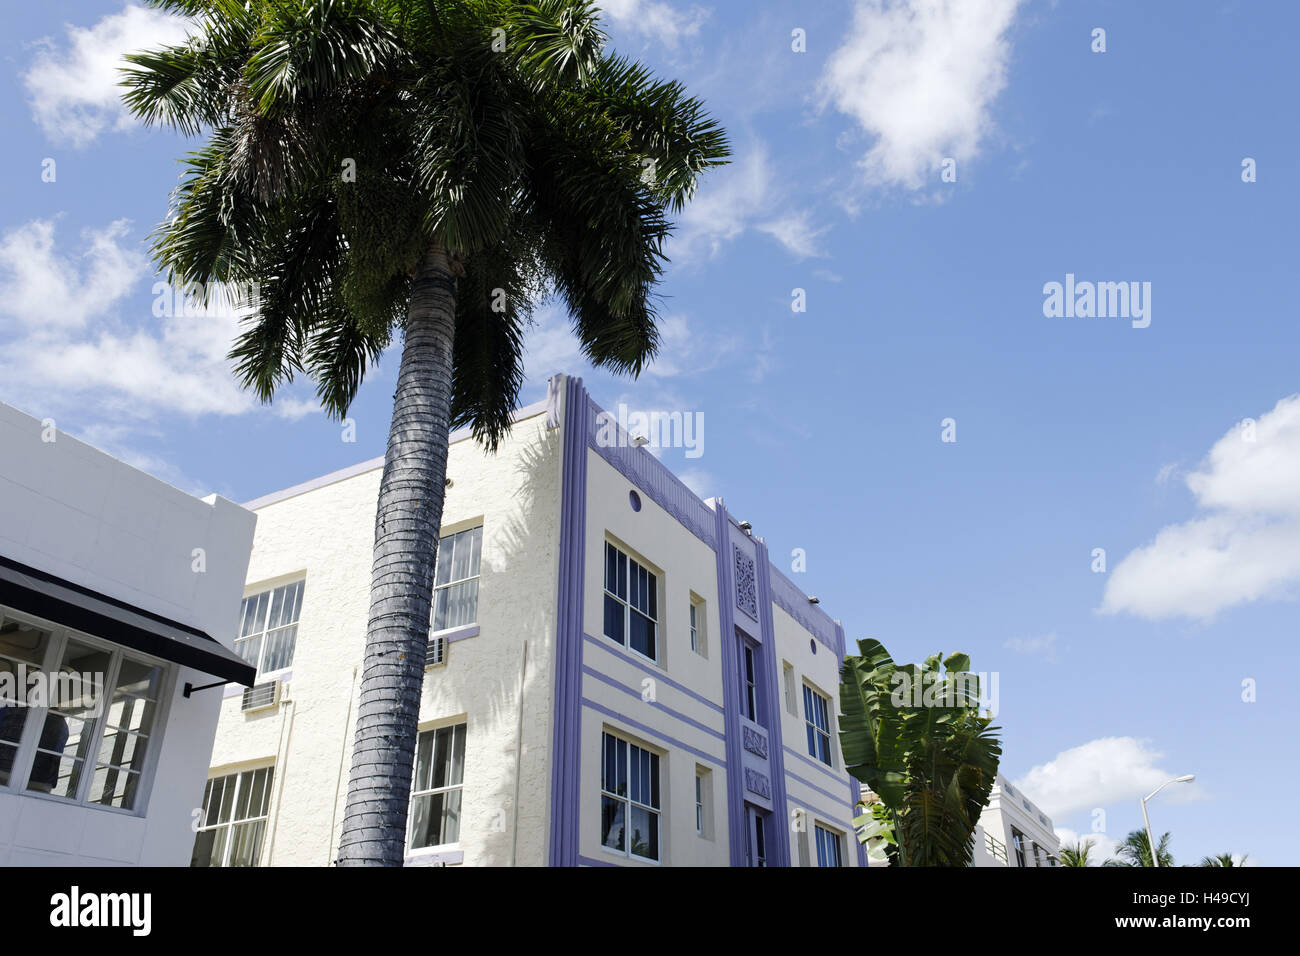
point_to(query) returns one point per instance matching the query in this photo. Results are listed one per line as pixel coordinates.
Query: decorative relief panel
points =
(758, 783)
(754, 741)
(746, 583)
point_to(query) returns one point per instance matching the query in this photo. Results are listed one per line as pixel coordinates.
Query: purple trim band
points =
(814, 764)
(588, 861)
(812, 786)
(651, 670)
(651, 732)
(566, 734)
(652, 476)
(791, 599)
(677, 715)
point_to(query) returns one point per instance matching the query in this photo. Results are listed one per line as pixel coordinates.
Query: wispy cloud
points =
(665, 22)
(1041, 646)
(72, 86)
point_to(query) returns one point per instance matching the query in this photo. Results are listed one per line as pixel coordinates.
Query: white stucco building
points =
(1013, 831)
(618, 674)
(117, 592)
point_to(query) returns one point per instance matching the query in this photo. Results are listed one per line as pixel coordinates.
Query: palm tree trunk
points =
(401, 582)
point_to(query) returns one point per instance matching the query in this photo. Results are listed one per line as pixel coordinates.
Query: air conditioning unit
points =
(260, 696)
(437, 652)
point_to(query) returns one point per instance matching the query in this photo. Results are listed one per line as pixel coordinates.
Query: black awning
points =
(44, 595)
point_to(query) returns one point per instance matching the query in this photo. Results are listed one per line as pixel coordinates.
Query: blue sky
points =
(924, 302)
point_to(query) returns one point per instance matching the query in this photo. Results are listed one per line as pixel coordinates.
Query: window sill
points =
(449, 855)
(451, 634)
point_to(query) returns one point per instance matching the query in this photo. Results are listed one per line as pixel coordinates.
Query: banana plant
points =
(915, 735)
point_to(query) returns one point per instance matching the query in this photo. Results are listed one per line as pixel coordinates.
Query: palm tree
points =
(1136, 851)
(1223, 859)
(930, 757)
(434, 168)
(1076, 853)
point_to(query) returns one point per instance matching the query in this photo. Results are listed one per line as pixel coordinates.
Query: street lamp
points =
(1151, 842)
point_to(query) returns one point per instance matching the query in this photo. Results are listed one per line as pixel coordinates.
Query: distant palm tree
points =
(1076, 853)
(434, 168)
(1223, 859)
(1136, 851)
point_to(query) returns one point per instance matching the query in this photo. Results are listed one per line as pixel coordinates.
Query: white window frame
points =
(241, 777)
(699, 634)
(750, 682)
(29, 740)
(256, 592)
(628, 802)
(832, 837)
(821, 706)
(434, 791)
(626, 604)
(476, 576)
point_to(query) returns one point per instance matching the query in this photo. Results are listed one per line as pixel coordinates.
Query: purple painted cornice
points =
(791, 599)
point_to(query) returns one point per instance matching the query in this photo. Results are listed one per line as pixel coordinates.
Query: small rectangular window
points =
(455, 583)
(268, 628)
(233, 822)
(817, 721)
(436, 787)
(791, 699)
(830, 849)
(749, 675)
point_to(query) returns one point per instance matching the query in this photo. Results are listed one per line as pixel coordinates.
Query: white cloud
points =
(66, 346)
(662, 21)
(701, 482)
(73, 86)
(1097, 774)
(1246, 548)
(919, 77)
(738, 198)
(797, 233)
(1042, 646)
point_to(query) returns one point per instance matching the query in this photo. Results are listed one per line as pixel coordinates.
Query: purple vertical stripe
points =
(730, 687)
(567, 732)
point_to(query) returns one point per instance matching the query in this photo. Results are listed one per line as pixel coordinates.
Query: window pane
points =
(247, 838)
(451, 816)
(279, 649)
(250, 650)
(456, 605)
(611, 568)
(461, 557)
(446, 548)
(621, 590)
(23, 643)
(645, 833)
(456, 772)
(424, 762)
(209, 847)
(642, 637)
(614, 619)
(113, 787)
(611, 822)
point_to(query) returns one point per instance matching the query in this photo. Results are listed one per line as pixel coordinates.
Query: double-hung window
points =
(76, 715)
(817, 722)
(830, 851)
(437, 789)
(631, 603)
(233, 824)
(455, 585)
(268, 627)
(629, 798)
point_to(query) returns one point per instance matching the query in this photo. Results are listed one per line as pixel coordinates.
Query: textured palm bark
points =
(406, 545)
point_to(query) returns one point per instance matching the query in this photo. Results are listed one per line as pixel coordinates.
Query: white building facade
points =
(1013, 831)
(618, 675)
(116, 592)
